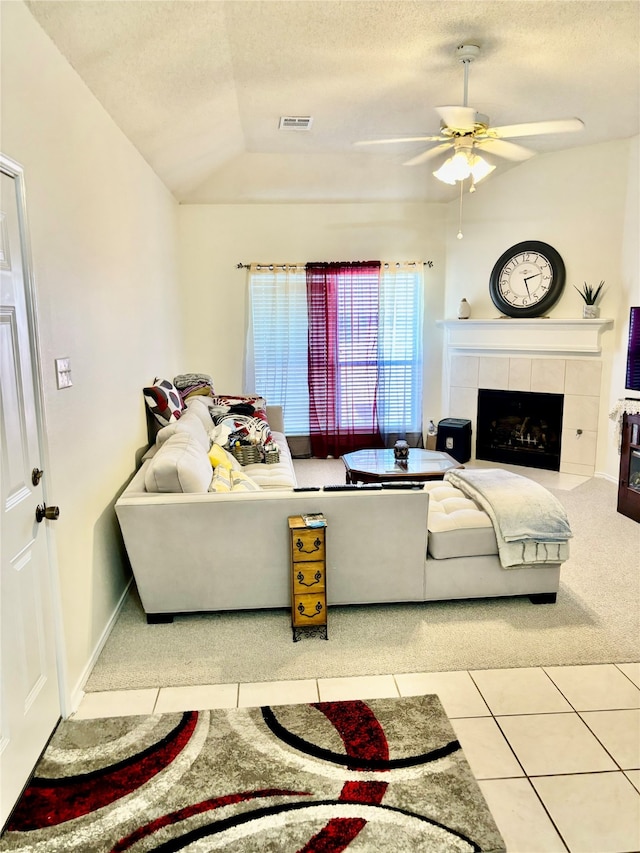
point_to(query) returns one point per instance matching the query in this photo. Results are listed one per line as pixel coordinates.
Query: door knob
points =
(51, 513)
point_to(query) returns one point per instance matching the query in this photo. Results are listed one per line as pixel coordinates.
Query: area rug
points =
(382, 775)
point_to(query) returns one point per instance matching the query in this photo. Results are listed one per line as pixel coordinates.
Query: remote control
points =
(400, 484)
(306, 488)
(344, 487)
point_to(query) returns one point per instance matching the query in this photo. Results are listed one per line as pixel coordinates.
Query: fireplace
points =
(540, 355)
(519, 428)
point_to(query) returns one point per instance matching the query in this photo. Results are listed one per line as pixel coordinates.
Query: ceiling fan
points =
(465, 132)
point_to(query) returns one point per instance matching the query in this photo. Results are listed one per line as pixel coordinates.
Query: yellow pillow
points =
(221, 481)
(241, 482)
(218, 456)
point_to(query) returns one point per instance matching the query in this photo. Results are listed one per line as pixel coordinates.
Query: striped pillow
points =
(221, 481)
(241, 482)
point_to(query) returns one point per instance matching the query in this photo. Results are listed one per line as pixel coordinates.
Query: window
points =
(400, 344)
(276, 351)
(374, 319)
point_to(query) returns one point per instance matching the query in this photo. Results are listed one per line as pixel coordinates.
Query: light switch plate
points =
(63, 372)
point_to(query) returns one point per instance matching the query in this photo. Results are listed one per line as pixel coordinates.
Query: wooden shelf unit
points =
(629, 481)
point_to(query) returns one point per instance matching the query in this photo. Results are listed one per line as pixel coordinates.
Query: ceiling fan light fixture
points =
(480, 168)
(454, 169)
(464, 164)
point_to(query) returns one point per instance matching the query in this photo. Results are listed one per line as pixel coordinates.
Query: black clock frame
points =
(551, 296)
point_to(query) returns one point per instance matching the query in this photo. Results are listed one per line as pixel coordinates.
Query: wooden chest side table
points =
(308, 578)
(629, 480)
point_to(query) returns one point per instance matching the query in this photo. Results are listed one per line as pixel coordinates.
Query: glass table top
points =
(381, 462)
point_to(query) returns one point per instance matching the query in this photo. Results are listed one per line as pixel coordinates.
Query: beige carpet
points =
(596, 620)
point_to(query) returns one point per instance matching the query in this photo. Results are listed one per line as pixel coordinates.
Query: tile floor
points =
(555, 750)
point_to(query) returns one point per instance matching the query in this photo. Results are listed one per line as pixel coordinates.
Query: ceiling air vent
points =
(295, 123)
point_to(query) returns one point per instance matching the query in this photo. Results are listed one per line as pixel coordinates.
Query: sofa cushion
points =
(457, 525)
(276, 476)
(181, 464)
(164, 401)
(189, 423)
(279, 475)
(199, 407)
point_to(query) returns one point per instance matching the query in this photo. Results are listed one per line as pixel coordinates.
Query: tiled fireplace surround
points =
(536, 355)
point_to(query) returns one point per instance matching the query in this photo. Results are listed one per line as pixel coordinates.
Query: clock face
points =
(527, 279)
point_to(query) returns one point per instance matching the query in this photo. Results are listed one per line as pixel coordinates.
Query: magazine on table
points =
(314, 519)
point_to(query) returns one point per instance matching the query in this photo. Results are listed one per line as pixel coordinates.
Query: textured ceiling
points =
(198, 87)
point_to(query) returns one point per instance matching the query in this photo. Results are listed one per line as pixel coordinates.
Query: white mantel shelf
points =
(532, 335)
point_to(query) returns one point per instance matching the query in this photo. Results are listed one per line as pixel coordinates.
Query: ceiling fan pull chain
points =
(460, 234)
(466, 63)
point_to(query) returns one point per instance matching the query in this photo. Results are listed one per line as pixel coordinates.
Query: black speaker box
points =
(454, 438)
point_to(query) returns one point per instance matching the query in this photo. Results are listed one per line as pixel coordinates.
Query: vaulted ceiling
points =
(199, 87)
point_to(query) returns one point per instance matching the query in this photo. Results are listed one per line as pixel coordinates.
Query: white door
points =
(29, 695)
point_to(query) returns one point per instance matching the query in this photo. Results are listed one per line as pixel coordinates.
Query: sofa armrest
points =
(275, 418)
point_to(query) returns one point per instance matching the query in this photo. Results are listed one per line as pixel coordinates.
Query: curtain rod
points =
(282, 266)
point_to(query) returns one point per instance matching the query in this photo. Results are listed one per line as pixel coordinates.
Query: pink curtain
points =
(343, 309)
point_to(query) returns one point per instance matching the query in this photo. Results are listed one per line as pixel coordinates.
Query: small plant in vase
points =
(590, 294)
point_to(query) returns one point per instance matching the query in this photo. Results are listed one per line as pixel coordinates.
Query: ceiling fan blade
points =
(399, 139)
(533, 128)
(458, 118)
(502, 148)
(428, 154)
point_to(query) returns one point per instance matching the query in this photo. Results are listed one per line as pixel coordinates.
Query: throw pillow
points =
(251, 404)
(236, 399)
(219, 456)
(241, 482)
(164, 401)
(221, 481)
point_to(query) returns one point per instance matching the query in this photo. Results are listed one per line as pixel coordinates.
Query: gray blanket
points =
(530, 524)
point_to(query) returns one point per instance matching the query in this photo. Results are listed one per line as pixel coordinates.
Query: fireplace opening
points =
(519, 428)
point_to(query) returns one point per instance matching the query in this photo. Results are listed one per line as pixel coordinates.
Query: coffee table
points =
(377, 466)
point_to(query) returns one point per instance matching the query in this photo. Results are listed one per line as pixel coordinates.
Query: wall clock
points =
(527, 279)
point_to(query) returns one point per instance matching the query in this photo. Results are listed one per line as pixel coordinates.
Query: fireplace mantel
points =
(534, 335)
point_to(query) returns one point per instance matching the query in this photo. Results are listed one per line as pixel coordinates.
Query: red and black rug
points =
(381, 775)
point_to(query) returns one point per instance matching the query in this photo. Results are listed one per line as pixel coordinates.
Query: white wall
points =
(630, 295)
(584, 202)
(215, 238)
(103, 233)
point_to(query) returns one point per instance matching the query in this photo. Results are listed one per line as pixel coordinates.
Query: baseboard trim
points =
(77, 692)
(602, 475)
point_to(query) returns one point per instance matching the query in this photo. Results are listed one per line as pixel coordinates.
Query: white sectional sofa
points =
(192, 550)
